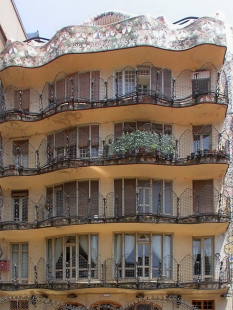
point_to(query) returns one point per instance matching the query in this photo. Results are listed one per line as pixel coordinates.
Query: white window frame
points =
(51, 257)
(122, 269)
(20, 258)
(203, 275)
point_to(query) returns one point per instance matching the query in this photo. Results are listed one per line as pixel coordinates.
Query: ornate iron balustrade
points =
(76, 207)
(205, 146)
(75, 92)
(77, 272)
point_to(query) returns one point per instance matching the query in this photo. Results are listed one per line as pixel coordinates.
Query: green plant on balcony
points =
(142, 142)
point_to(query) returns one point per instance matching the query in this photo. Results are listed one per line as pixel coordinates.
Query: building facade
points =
(115, 148)
(11, 27)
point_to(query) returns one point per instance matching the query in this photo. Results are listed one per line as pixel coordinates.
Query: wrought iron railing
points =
(207, 145)
(77, 272)
(77, 207)
(147, 84)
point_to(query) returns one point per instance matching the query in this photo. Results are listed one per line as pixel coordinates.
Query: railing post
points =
(49, 274)
(16, 210)
(40, 104)
(173, 91)
(178, 275)
(198, 204)
(37, 160)
(72, 90)
(117, 94)
(68, 206)
(159, 205)
(217, 88)
(104, 200)
(37, 215)
(116, 206)
(20, 99)
(106, 92)
(92, 93)
(176, 150)
(67, 275)
(220, 275)
(160, 269)
(178, 208)
(16, 280)
(137, 203)
(35, 276)
(136, 78)
(220, 211)
(67, 148)
(102, 274)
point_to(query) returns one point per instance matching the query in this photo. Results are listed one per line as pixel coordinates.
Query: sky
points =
(48, 16)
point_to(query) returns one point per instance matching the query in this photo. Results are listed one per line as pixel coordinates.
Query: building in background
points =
(115, 148)
(11, 27)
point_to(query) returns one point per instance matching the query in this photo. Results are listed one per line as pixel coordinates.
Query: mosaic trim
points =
(132, 32)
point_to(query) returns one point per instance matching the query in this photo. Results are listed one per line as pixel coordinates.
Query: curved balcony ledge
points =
(133, 101)
(113, 160)
(146, 218)
(129, 33)
(56, 286)
(185, 274)
(207, 206)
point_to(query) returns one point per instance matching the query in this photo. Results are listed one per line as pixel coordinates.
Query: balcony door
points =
(203, 199)
(143, 256)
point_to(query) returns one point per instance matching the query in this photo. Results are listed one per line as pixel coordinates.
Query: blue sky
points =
(48, 16)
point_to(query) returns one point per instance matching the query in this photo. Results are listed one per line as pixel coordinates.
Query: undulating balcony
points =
(140, 85)
(149, 272)
(74, 149)
(146, 204)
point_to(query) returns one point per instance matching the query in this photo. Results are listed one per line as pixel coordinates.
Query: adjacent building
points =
(114, 156)
(11, 27)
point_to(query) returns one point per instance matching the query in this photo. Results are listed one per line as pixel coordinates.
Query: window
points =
(78, 203)
(19, 254)
(78, 86)
(89, 141)
(122, 128)
(200, 83)
(204, 304)
(202, 138)
(203, 258)
(154, 196)
(62, 144)
(57, 197)
(151, 252)
(20, 153)
(75, 257)
(20, 206)
(19, 305)
(146, 80)
(203, 199)
(22, 100)
(88, 189)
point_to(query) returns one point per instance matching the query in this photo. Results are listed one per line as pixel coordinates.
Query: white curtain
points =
(167, 253)
(129, 245)
(94, 248)
(157, 246)
(208, 256)
(118, 244)
(58, 248)
(83, 241)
